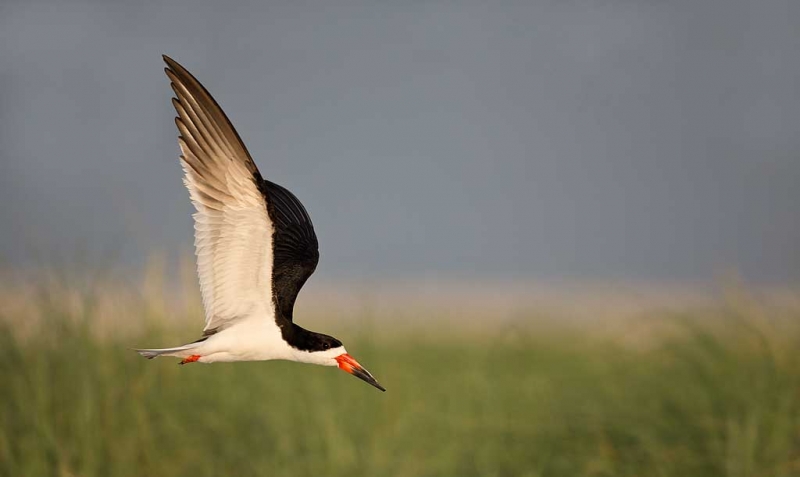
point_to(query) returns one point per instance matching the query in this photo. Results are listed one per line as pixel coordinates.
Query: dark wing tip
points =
(173, 67)
(169, 61)
(179, 74)
(184, 83)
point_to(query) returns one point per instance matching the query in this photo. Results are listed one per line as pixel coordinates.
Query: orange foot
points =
(190, 359)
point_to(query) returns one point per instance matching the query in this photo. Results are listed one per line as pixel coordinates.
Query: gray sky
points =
(581, 139)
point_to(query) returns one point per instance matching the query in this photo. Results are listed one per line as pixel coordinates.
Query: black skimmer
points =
(254, 242)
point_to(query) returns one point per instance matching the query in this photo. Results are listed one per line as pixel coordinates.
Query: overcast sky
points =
(653, 140)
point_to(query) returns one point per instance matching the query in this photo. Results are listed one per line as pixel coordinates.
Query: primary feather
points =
(233, 230)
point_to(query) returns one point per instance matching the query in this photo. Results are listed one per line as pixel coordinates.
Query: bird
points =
(254, 242)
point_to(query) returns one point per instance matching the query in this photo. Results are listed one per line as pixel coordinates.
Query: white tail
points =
(178, 352)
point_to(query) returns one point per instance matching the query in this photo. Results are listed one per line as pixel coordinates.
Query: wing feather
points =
(233, 229)
(295, 250)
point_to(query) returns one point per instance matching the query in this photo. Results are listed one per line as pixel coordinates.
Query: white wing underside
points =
(233, 232)
(232, 243)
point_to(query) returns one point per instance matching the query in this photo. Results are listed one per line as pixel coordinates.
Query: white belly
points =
(251, 339)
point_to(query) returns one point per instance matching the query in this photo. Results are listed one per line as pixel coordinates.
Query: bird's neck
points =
(298, 337)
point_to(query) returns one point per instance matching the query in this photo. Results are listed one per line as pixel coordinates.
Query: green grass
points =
(717, 400)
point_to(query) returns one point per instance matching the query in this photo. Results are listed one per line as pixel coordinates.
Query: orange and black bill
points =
(349, 364)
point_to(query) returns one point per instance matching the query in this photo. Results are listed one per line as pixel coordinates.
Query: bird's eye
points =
(326, 346)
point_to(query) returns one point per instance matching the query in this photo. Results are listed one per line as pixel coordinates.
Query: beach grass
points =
(716, 393)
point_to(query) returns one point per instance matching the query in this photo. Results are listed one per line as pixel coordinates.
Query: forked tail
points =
(178, 352)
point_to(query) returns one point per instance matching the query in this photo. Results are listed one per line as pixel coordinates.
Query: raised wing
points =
(233, 230)
(296, 251)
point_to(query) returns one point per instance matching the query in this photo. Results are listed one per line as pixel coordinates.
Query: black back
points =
(294, 246)
(295, 254)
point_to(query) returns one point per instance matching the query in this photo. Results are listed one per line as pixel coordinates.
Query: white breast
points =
(256, 338)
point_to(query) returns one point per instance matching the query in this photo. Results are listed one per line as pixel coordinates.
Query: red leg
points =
(190, 359)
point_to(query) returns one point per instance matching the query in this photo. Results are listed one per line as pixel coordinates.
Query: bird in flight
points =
(254, 242)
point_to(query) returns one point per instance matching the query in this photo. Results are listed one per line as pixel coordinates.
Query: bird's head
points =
(328, 351)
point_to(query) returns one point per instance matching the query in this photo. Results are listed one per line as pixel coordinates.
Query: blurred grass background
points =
(710, 390)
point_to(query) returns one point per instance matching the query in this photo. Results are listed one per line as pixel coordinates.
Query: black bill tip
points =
(348, 364)
(364, 375)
